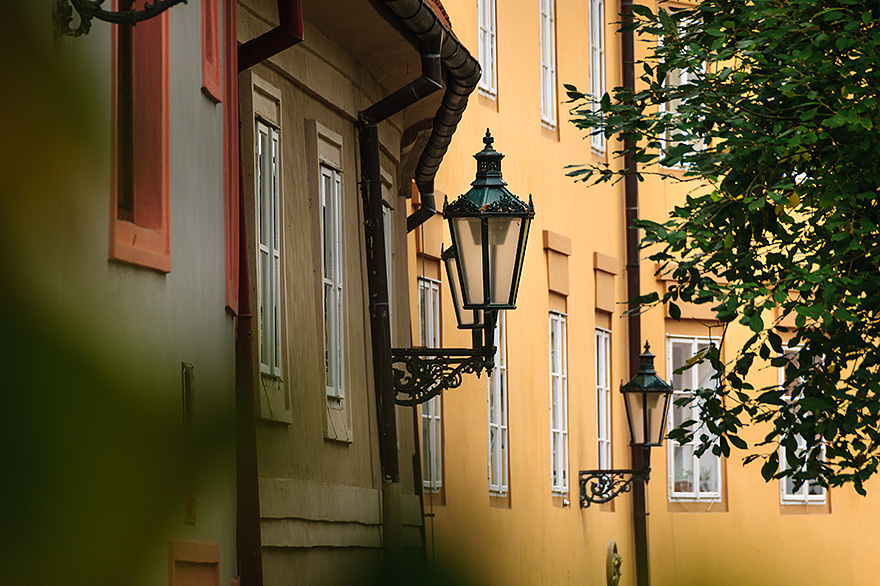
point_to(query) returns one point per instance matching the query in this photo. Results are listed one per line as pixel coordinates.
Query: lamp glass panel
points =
(504, 236)
(654, 412)
(634, 416)
(466, 318)
(469, 241)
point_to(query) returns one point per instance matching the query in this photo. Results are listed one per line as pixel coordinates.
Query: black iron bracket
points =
(62, 14)
(423, 373)
(605, 485)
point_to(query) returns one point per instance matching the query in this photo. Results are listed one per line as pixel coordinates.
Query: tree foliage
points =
(776, 122)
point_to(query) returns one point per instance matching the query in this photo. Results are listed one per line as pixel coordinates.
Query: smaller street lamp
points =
(646, 397)
(489, 226)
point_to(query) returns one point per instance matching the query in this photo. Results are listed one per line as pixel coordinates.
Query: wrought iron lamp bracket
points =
(605, 485)
(62, 14)
(423, 373)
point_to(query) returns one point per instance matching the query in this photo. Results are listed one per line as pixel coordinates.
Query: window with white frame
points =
(548, 63)
(269, 250)
(331, 246)
(486, 47)
(558, 404)
(432, 410)
(597, 63)
(690, 476)
(809, 492)
(676, 78)
(497, 413)
(603, 396)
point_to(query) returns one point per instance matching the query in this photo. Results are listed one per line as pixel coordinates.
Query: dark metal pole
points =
(640, 456)
(641, 459)
(248, 497)
(377, 279)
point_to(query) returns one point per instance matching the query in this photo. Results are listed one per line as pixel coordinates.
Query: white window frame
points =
(332, 294)
(674, 77)
(496, 408)
(487, 52)
(803, 495)
(431, 410)
(558, 368)
(603, 398)
(597, 65)
(268, 236)
(548, 64)
(690, 380)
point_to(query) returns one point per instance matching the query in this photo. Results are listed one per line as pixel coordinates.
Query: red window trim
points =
(212, 79)
(139, 242)
(231, 155)
(188, 553)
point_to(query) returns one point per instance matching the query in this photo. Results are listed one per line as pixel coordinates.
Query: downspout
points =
(380, 328)
(250, 553)
(462, 76)
(633, 290)
(247, 479)
(288, 33)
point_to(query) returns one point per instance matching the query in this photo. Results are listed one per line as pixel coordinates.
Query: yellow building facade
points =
(500, 468)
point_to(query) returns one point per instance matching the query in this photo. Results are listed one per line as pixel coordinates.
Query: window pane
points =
(709, 481)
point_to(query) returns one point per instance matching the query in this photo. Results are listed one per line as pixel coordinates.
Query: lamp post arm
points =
(423, 373)
(601, 486)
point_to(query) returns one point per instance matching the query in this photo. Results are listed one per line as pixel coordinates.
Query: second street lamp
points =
(489, 226)
(646, 397)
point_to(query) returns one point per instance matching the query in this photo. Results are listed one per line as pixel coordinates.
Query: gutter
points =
(462, 76)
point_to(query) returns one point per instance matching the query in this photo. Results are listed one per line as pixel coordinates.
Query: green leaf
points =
(674, 311)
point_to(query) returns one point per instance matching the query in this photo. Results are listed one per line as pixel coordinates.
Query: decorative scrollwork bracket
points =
(423, 373)
(62, 14)
(601, 486)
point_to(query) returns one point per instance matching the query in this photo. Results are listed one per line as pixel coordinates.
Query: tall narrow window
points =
(809, 492)
(140, 224)
(429, 337)
(674, 79)
(497, 412)
(548, 63)
(690, 476)
(331, 246)
(486, 47)
(603, 396)
(597, 63)
(269, 250)
(558, 404)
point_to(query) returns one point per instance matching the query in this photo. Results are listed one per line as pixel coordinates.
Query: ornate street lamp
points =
(646, 397)
(489, 226)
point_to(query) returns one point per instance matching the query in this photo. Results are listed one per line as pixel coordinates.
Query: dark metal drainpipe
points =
(374, 236)
(288, 33)
(633, 290)
(247, 479)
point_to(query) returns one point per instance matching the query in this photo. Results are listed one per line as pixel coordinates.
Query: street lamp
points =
(489, 226)
(646, 397)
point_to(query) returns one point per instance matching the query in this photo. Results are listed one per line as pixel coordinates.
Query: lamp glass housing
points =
(646, 397)
(489, 226)
(646, 415)
(467, 319)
